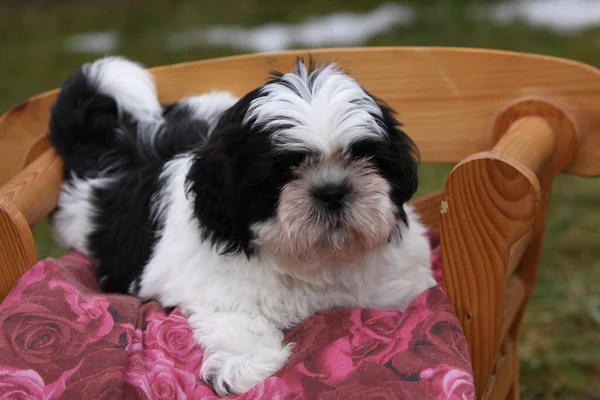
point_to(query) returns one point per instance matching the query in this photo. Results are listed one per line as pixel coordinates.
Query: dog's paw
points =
(230, 373)
(240, 350)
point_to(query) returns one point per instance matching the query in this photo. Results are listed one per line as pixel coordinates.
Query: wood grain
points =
(531, 128)
(17, 248)
(544, 136)
(516, 251)
(492, 202)
(448, 98)
(501, 380)
(515, 301)
(22, 134)
(428, 208)
(530, 139)
(527, 273)
(34, 191)
(541, 139)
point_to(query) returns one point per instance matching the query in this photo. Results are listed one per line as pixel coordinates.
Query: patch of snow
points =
(93, 42)
(338, 29)
(563, 16)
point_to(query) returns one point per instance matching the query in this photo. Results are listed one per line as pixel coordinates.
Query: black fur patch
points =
(396, 158)
(236, 178)
(86, 130)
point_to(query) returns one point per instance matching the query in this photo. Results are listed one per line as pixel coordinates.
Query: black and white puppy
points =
(251, 214)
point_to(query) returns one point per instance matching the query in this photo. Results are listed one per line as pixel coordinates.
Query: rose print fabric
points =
(62, 338)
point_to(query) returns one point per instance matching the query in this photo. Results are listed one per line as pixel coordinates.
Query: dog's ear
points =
(403, 157)
(221, 178)
(213, 184)
(397, 158)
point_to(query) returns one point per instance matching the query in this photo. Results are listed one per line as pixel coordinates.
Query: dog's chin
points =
(307, 254)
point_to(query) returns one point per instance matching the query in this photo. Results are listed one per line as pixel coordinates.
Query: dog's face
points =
(308, 169)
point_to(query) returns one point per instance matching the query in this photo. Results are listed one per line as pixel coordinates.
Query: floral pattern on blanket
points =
(60, 337)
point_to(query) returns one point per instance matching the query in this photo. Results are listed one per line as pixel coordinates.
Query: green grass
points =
(560, 342)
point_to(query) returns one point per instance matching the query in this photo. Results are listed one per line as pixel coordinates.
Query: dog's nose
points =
(332, 196)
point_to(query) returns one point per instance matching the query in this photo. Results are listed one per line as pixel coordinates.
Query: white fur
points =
(209, 106)
(129, 84)
(135, 93)
(336, 112)
(73, 220)
(238, 306)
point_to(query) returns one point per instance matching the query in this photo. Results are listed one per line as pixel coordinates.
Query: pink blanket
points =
(60, 337)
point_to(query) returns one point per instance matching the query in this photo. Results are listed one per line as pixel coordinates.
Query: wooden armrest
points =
(17, 248)
(24, 201)
(491, 201)
(34, 191)
(492, 230)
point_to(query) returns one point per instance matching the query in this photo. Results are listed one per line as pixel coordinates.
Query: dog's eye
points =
(294, 160)
(363, 149)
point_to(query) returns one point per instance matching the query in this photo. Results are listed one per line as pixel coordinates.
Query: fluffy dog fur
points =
(251, 214)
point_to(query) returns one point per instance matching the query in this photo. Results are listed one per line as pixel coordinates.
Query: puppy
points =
(251, 215)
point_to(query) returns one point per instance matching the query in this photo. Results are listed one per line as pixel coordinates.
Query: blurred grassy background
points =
(560, 346)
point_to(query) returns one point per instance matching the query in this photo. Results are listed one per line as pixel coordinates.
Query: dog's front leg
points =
(240, 350)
